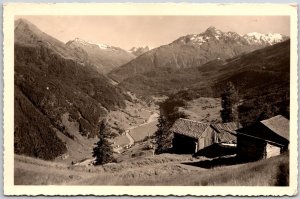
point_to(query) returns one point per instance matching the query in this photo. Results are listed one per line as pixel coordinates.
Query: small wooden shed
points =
(263, 139)
(191, 136)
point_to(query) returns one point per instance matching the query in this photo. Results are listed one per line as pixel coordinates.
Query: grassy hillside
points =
(164, 170)
(270, 172)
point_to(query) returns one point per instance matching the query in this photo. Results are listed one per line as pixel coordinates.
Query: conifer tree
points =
(163, 137)
(103, 151)
(229, 112)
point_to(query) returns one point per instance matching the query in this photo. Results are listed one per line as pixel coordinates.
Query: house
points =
(192, 136)
(263, 139)
(225, 133)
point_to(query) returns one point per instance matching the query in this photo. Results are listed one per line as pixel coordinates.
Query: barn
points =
(263, 139)
(192, 136)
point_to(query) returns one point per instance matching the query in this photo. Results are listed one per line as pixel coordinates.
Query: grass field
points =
(165, 169)
(270, 172)
(139, 133)
(203, 109)
(121, 140)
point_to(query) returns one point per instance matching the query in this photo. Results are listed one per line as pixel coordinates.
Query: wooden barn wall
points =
(272, 150)
(207, 138)
(249, 148)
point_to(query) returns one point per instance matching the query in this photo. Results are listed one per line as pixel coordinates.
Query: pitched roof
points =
(189, 128)
(225, 131)
(274, 130)
(279, 125)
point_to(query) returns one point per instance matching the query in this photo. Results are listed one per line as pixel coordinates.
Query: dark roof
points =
(274, 130)
(189, 128)
(225, 131)
(279, 125)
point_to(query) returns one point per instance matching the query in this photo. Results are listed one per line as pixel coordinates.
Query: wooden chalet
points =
(192, 136)
(263, 139)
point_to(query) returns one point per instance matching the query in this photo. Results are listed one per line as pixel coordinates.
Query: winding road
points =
(131, 140)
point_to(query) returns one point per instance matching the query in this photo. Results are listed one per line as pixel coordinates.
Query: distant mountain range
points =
(194, 50)
(103, 57)
(249, 70)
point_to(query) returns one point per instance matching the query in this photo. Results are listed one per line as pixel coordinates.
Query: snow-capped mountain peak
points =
(104, 46)
(210, 33)
(91, 44)
(213, 34)
(259, 38)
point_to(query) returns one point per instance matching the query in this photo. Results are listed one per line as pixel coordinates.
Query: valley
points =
(155, 112)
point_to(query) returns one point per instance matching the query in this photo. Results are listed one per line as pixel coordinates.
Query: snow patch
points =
(103, 46)
(259, 38)
(88, 43)
(251, 38)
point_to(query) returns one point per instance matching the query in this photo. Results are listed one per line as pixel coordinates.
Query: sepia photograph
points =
(152, 100)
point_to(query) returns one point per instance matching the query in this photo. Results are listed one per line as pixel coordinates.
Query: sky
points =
(152, 31)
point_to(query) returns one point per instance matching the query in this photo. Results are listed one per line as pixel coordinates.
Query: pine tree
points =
(163, 137)
(103, 151)
(229, 112)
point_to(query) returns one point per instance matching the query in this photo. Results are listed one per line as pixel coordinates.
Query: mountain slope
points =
(28, 33)
(54, 87)
(192, 51)
(104, 57)
(262, 79)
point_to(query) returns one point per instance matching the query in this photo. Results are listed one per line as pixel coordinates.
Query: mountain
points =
(263, 63)
(57, 94)
(264, 39)
(137, 51)
(103, 57)
(262, 79)
(194, 50)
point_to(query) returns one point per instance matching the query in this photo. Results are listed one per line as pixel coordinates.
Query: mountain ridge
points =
(164, 81)
(104, 57)
(189, 51)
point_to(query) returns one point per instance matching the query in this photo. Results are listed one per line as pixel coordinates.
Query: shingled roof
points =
(189, 128)
(274, 130)
(279, 125)
(225, 131)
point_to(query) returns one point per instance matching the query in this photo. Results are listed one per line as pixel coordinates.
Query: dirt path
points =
(131, 140)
